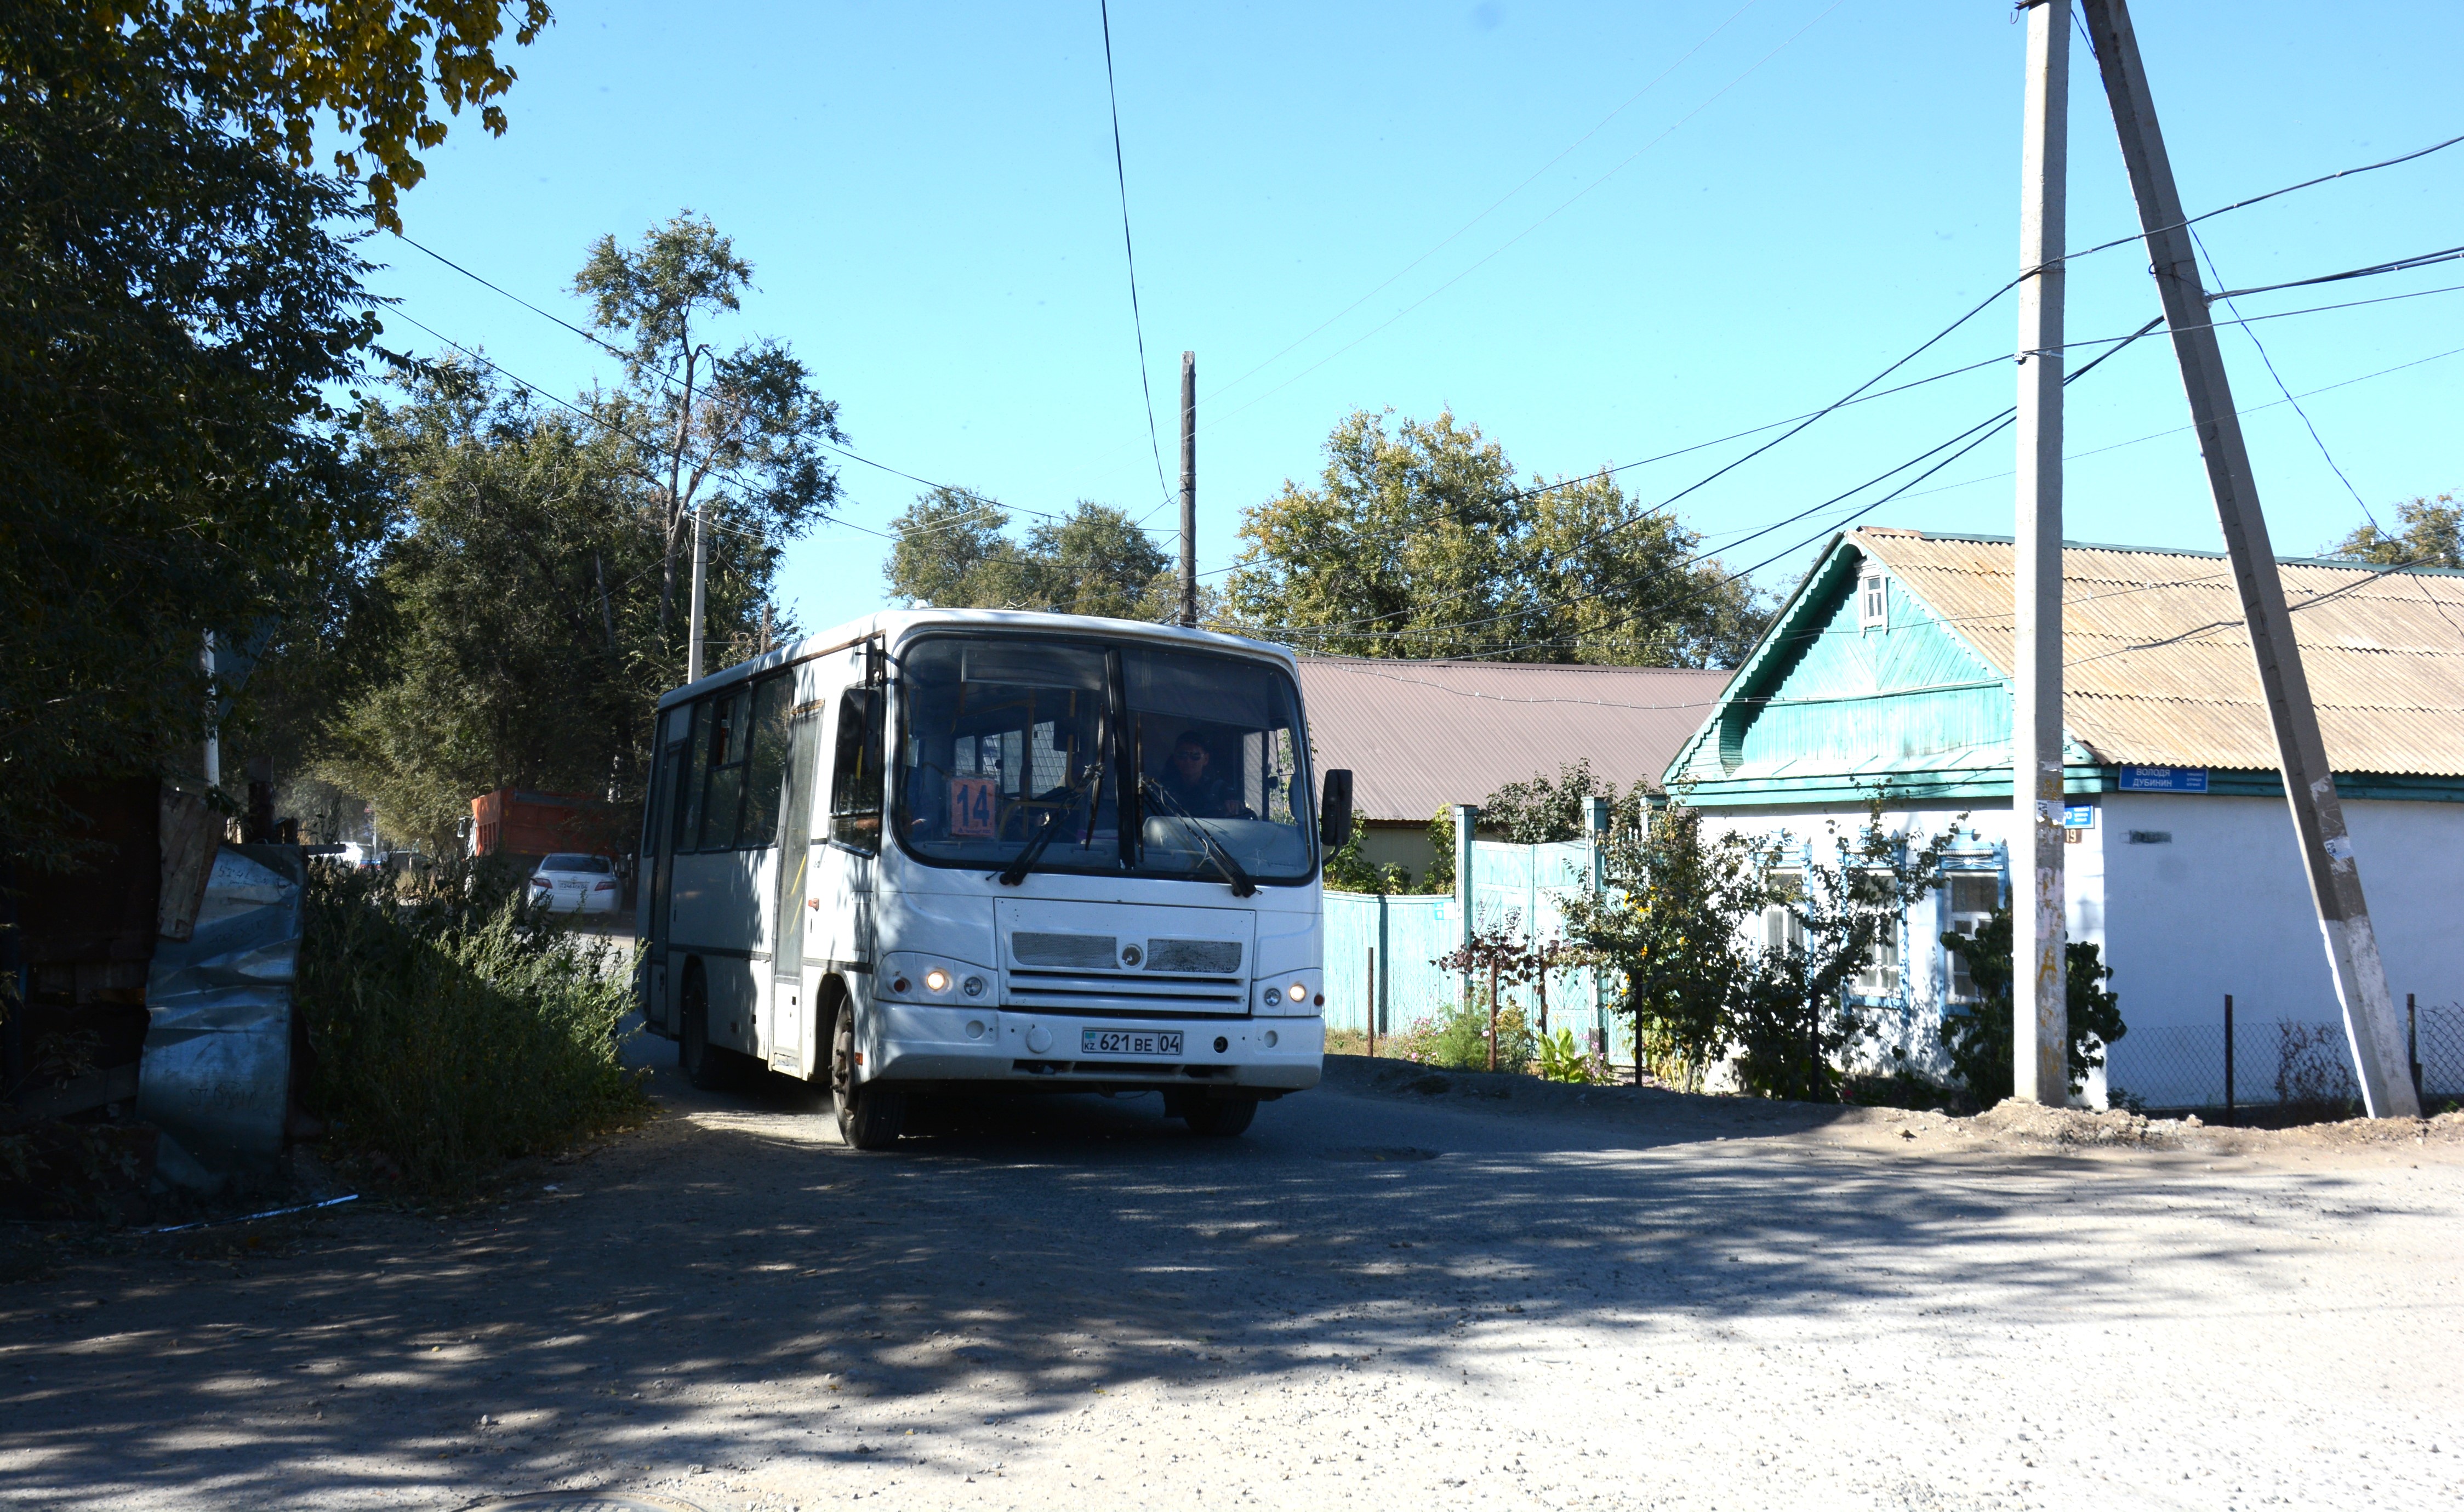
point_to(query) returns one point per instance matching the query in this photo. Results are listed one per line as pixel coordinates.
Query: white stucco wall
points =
(2223, 906)
(2220, 907)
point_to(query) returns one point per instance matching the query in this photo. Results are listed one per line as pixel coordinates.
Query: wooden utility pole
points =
(2309, 783)
(1189, 490)
(2041, 1010)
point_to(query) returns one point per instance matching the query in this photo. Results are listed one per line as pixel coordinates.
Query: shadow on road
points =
(1017, 1252)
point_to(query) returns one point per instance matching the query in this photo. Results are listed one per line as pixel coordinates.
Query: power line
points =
(2158, 436)
(1526, 230)
(665, 374)
(2281, 387)
(596, 418)
(2114, 343)
(1973, 437)
(1137, 322)
(1452, 236)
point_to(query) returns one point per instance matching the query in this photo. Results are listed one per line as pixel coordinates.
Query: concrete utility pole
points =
(693, 620)
(213, 723)
(2309, 784)
(1189, 490)
(2040, 1007)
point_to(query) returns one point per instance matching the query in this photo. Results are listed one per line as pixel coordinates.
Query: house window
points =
(1879, 976)
(1783, 927)
(1973, 898)
(1872, 603)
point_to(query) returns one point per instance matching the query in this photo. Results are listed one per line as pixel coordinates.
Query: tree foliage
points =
(747, 424)
(953, 553)
(1779, 1015)
(1541, 810)
(1980, 1038)
(518, 607)
(276, 74)
(2432, 534)
(1669, 929)
(1418, 541)
(177, 312)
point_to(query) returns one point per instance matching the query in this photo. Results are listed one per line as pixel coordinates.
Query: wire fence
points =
(2286, 1063)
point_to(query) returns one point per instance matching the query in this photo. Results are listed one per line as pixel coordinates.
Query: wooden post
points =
(1466, 818)
(1189, 490)
(1492, 1013)
(2229, 1058)
(2309, 783)
(2039, 1005)
(1369, 1004)
(2412, 1043)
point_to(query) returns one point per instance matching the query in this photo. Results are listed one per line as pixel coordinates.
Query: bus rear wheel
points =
(1218, 1117)
(868, 1113)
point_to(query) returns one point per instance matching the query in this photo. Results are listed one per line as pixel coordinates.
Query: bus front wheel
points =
(868, 1113)
(1221, 1117)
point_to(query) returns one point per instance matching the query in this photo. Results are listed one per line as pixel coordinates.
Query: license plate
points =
(1129, 1042)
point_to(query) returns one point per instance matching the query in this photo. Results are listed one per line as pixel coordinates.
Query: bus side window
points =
(695, 759)
(855, 771)
(724, 787)
(766, 778)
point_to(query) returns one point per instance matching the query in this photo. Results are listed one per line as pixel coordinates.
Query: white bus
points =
(938, 850)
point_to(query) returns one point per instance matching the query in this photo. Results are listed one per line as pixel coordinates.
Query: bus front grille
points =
(1146, 992)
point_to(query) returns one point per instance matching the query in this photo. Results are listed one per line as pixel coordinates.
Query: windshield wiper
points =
(1242, 887)
(1016, 875)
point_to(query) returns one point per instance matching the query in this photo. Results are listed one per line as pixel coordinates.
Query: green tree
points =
(747, 424)
(275, 74)
(1669, 926)
(519, 607)
(179, 314)
(1419, 542)
(1540, 810)
(952, 553)
(1980, 1038)
(2431, 535)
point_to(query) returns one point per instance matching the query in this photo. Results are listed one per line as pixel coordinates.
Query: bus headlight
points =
(913, 977)
(1298, 991)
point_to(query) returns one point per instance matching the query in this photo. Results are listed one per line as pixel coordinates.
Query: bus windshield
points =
(1018, 749)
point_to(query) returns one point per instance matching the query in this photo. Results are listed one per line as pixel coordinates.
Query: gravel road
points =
(1373, 1299)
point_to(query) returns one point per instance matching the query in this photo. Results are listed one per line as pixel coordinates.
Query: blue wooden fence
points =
(1523, 884)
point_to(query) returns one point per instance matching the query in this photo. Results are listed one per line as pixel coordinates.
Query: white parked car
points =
(576, 884)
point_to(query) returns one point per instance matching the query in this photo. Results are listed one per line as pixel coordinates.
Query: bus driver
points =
(1191, 781)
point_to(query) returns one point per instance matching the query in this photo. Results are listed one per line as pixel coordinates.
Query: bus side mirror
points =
(1334, 810)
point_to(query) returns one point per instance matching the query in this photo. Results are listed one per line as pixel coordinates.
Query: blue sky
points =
(1600, 233)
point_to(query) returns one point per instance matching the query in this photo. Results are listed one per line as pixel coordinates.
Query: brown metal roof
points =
(2157, 667)
(1420, 735)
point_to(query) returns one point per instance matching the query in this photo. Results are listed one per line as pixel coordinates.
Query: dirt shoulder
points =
(1660, 1116)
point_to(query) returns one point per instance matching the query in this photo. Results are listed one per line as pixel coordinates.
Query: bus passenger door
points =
(846, 859)
(797, 852)
(651, 922)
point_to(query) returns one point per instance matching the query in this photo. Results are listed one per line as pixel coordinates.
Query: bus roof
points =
(894, 624)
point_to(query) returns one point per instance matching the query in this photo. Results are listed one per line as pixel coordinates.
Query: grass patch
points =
(453, 1028)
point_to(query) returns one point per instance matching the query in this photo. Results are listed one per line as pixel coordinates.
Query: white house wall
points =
(2220, 906)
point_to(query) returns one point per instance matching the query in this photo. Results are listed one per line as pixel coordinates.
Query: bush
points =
(1561, 1059)
(1457, 1037)
(453, 1028)
(1979, 1038)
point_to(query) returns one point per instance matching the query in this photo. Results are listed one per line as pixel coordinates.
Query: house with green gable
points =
(1888, 671)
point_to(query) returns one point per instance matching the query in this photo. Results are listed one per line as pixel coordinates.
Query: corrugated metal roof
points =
(2157, 667)
(1418, 735)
